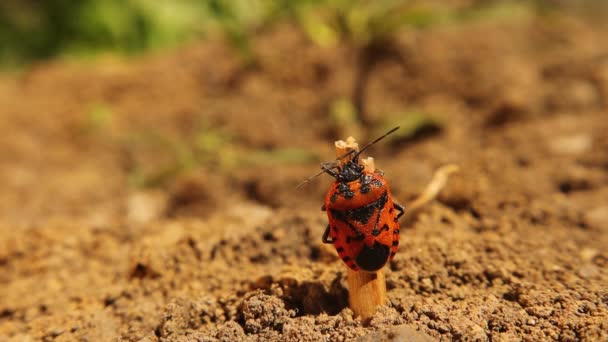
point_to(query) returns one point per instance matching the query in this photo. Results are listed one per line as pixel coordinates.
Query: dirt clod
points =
(263, 312)
(400, 333)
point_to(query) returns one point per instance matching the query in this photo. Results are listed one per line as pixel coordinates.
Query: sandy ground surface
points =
(110, 231)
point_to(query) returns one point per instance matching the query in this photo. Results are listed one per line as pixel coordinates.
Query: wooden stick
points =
(366, 290)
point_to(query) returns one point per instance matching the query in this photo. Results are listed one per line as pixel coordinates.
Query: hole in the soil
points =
(456, 203)
(258, 192)
(316, 299)
(188, 195)
(309, 297)
(390, 284)
(475, 101)
(511, 296)
(572, 185)
(269, 236)
(505, 113)
(315, 253)
(109, 301)
(259, 258)
(141, 271)
(565, 187)
(523, 162)
(423, 132)
(6, 314)
(475, 213)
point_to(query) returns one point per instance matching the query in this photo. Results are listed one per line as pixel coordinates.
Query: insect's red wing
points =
(389, 237)
(345, 241)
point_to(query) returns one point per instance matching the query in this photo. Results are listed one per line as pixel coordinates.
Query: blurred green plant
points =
(343, 118)
(156, 159)
(412, 124)
(97, 118)
(31, 30)
(361, 22)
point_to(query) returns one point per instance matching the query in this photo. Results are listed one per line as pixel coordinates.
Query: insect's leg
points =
(328, 165)
(399, 208)
(323, 207)
(330, 172)
(326, 236)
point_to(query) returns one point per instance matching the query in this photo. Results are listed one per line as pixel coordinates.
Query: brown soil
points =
(515, 247)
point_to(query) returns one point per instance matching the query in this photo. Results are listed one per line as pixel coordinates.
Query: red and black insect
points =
(363, 219)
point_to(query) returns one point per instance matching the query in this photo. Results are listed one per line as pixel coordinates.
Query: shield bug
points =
(363, 219)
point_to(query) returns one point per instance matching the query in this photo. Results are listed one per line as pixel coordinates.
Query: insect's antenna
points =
(323, 170)
(375, 141)
(346, 154)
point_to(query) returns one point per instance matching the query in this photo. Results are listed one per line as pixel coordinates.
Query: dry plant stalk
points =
(367, 290)
(438, 182)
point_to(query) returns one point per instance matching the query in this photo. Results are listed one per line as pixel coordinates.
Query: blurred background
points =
(205, 100)
(124, 121)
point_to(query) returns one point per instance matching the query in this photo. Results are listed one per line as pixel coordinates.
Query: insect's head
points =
(350, 170)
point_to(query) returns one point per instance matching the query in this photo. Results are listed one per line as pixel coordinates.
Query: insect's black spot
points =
(334, 197)
(373, 258)
(362, 214)
(381, 202)
(348, 194)
(396, 243)
(348, 239)
(385, 227)
(365, 188)
(377, 183)
(345, 191)
(396, 231)
(338, 215)
(340, 249)
(366, 181)
(390, 211)
(375, 232)
(346, 259)
(342, 216)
